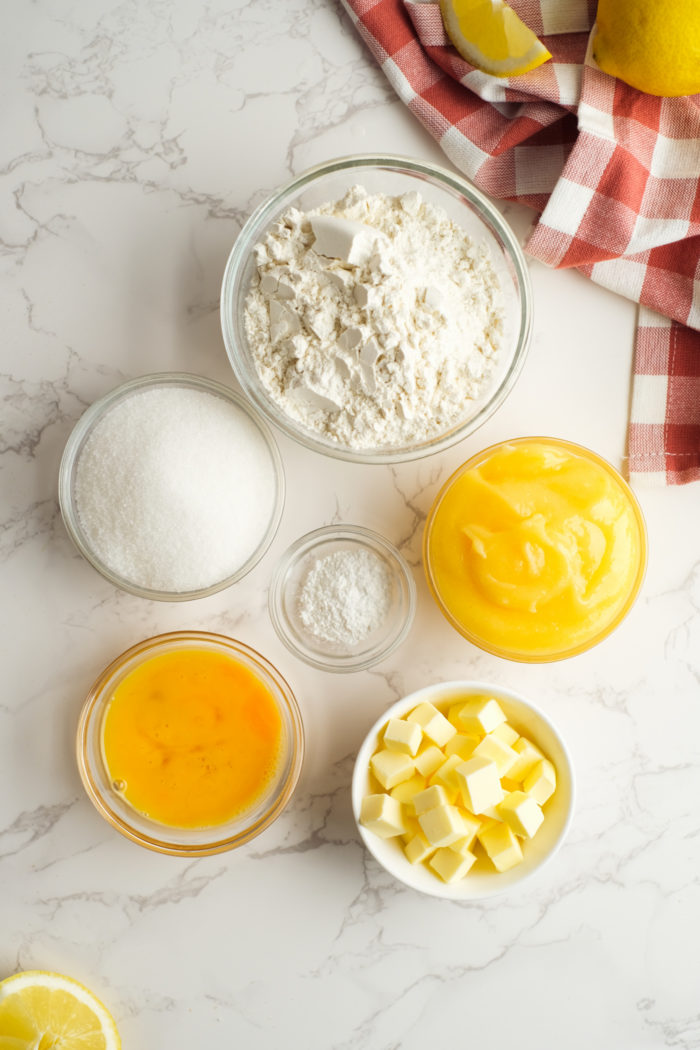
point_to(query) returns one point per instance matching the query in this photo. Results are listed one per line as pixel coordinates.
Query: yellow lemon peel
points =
(652, 46)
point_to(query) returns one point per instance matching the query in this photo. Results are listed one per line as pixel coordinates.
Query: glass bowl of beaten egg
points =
(190, 743)
(433, 821)
(371, 419)
(535, 549)
(171, 486)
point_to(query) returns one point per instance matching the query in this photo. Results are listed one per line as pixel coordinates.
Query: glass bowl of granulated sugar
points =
(377, 308)
(342, 598)
(171, 486)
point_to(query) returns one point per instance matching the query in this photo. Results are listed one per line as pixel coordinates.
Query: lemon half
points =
(45, 1011)
(490, 36)
(651, 45)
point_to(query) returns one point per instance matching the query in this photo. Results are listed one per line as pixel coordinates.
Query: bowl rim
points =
(97, 699)
(85, 425)
(576, 650)
(303, 546)
(456, 184)
(435, 692)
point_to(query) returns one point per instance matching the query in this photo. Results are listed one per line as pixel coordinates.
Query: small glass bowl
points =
(80, 435)
(391, 175)
(565, 648)
(482, 881)
(288, 579)
(187, 842)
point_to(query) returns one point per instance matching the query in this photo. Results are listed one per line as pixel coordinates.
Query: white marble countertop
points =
(136, 139)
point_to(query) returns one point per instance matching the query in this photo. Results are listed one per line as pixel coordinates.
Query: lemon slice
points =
(44, 1011)
(490, 36)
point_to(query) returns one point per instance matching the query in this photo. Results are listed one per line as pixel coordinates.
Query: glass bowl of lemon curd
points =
(190, 743)
(535, 549)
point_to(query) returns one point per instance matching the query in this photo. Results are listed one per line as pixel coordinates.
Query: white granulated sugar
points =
(374, 320)
(345, 596)
(174, 489)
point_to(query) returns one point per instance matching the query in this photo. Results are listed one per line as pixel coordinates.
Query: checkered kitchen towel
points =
(613, 173)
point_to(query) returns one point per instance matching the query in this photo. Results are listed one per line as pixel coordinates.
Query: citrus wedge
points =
(490, 36)
(44, 1011)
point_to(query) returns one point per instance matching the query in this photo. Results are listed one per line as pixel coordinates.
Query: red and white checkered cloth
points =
(613, 173)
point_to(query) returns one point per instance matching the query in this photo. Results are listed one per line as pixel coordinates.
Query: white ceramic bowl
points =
(466, 206)
(483, 880)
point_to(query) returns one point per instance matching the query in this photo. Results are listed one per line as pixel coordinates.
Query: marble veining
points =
(137, 138)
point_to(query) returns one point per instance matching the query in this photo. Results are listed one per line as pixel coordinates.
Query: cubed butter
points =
(432, 796)
(528, 755)
(443, 825)
(495, 750)
(433, 723)
(474, 825)
(506, 733)
(522, 814)
(451, 866)
(418, 849)
(391, 767)
(501, 845)
(428, 759)
(541, 783)
(481, 714)
(462, 744)
(479, 783)
(403, 736)
(382, 815)
(405, 791)
(446, 776)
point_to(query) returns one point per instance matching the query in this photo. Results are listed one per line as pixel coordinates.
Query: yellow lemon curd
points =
(535, 549)
(192, 738)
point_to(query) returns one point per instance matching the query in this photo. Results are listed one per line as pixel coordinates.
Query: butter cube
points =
(506, 733)
(430, 798)
(481, 715)
(403, 736)
(445, 775)
(428, 759)
(418, 849)
(411, 826)
(522, 814)
(493, 749)
(541, 782)
(501, 845)
(391, 767)
(405, 791)
(461, 744)
(474, 825)
(479, 783)
(451, 866)
(382, 815)
(433, 723)
(443, 825)
(528, 756)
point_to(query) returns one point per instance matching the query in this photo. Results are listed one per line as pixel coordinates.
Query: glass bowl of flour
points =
(342, 598)
(377, 308)
(171, 486)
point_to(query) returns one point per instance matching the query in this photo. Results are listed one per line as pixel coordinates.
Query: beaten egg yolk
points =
(192, 738)
(535, 551)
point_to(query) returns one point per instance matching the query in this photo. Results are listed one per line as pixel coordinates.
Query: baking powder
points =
(345, 596)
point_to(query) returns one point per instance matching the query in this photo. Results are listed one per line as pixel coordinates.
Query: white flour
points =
(373, 320)
(345, 596)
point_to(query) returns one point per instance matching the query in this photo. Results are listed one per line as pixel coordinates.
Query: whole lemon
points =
(654, 45)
